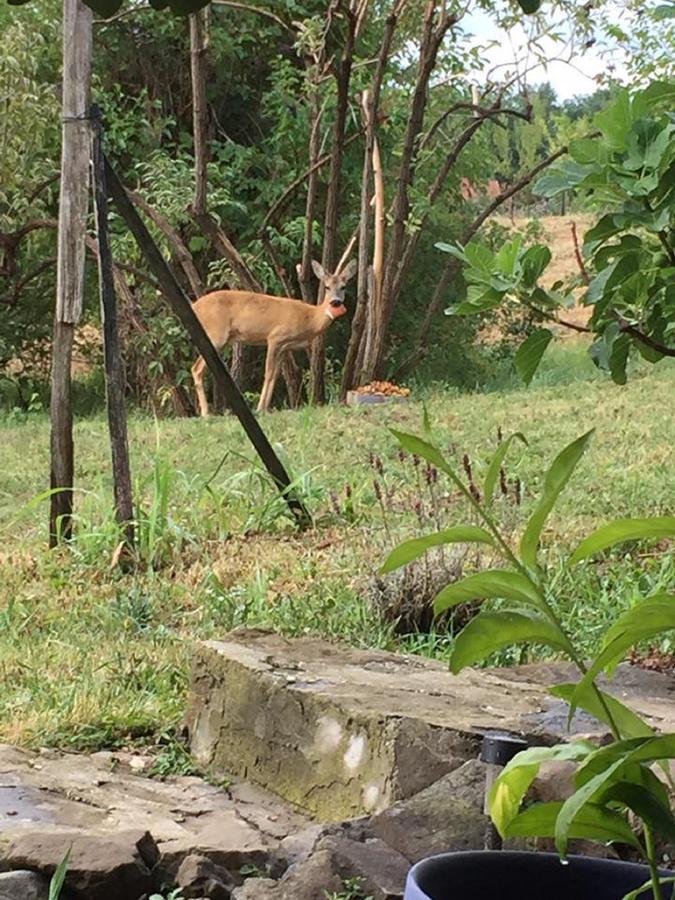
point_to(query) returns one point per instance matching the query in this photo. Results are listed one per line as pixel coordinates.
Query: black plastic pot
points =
(524, 876)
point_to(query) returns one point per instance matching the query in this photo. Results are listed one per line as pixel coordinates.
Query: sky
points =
(567, 80)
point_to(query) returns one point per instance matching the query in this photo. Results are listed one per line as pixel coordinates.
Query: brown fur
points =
(261, 319)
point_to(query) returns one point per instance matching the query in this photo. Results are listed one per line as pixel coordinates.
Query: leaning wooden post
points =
(73, 205)
(183, 309)
(114, 367)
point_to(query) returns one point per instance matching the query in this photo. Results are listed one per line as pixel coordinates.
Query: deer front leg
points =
(272, 363)
(198, 377)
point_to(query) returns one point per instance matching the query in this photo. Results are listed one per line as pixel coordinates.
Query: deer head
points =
(334, 287)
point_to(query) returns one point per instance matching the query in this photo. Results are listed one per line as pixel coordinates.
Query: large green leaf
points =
(573, 806)
(58, 878)
(649, 807)
(660, 92)
(647, 620)
(490, 584)
(411, 550)
(557, 477)
(615, 121)
(629, 752)
(621, 530)
(605, 708)
(529, 354)
(508, 791)
(496, 463)
(606, 767)
(593, 823)
(533, 262)
(492, 631)
(564, 176)
(417, 445)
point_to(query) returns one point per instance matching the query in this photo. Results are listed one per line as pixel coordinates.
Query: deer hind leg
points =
(272, 363)
(198, 370)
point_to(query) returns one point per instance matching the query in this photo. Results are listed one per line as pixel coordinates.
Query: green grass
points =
(91, 656)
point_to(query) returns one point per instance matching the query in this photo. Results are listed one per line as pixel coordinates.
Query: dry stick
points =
(330, 226)
(181, 252)
(577, 252)
(183, 309)
(114, 367)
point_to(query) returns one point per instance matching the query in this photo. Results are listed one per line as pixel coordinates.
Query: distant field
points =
(91, 657)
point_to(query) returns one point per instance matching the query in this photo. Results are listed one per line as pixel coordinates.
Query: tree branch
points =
(627, 328)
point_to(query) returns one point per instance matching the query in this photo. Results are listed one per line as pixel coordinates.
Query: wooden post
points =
(73, 205)
(114, 367)
(183, 309)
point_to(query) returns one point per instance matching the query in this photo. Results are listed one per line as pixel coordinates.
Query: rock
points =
(22, 885)
(297, 847)
(341, 732)
(381, 871)
(257, 889)
(103, 866)
(199, 877)
(447, 815)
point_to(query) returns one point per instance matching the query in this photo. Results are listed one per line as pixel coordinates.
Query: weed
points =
(352, 889)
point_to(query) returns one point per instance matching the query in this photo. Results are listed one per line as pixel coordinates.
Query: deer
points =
(281, 323)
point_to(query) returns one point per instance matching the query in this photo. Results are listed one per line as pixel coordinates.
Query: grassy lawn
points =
(91, 656)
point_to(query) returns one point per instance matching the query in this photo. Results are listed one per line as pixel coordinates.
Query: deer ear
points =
(349, 271)
(318, 270)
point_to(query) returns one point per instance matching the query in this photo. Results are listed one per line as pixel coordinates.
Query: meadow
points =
(93, 655)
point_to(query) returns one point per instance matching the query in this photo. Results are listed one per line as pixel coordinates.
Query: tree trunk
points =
(73, 205)
(200, 115)
(329, 255)
(355, 350)
(435, 29)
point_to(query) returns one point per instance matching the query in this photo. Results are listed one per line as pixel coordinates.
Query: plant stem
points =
(651, 860)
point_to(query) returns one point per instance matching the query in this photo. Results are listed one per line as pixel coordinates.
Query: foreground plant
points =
(610, 782)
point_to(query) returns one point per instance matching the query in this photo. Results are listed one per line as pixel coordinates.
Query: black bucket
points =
(505, 875)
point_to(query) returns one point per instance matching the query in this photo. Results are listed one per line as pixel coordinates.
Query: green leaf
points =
(506, 258)
(557, 477)
(629, 753)
(573, 806)
(641, 892)
(59, 876)
(659, 93)
(411, 550)
(496, 463)
(427, 451)
(564, 176)
(529, 354)
(588, 150)
(508, 791)
(455, 250)
(533, 262)
(665, 11)
(491, 584)
(604, 229)
(593, 823)
(648, 807)
(621, 530)
(605, 708)
(615, 121)
(645, 621)
(529, 6)
(618, 357)
(492, 631)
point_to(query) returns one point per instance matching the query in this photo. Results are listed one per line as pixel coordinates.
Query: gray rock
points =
(103, 866)
(200, 877)
(447, 815)
(23, 885)
(381, 870)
